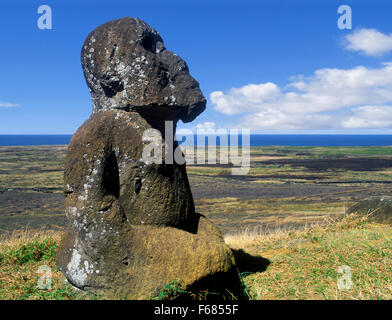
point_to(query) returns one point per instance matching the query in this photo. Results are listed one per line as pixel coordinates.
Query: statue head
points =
(127, 67)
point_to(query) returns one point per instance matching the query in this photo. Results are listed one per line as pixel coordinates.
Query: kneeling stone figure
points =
(132, 224)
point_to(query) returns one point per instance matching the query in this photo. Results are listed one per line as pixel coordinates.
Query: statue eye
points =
(152, 42)
(111, 85)
(149, 42)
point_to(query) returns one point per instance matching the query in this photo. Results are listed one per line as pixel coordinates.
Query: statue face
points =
(127, 67)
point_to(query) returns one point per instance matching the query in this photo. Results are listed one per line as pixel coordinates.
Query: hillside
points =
(284, 264)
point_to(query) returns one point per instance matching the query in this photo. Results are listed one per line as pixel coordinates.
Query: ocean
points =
(255, 140)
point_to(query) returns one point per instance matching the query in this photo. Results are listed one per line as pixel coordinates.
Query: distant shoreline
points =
(256, 140)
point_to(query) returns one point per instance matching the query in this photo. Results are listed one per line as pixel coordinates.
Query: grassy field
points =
(21, 257)
(305, 264)
(279, 265)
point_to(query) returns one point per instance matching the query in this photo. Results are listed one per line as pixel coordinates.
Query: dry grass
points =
(304, 264)
(266, 214)
(16, 237)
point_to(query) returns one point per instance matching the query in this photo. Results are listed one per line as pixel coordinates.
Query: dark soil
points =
(42, 207)
(22, 209)
(242, 190)
(353, 164)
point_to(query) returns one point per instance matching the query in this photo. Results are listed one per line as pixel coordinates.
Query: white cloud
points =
(369, 42)
(8, 105)
(330, 99)
(201, 127)
(278, 120)
(206, 125)
(369, 117)
(253, 94)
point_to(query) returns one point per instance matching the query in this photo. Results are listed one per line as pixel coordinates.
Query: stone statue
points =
(132, 224)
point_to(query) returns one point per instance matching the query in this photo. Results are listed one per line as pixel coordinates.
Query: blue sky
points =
(271, 66)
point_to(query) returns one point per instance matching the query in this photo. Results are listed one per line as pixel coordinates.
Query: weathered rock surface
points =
(379, 209)
(105, 175)
(136, 261)
(127, 66)
(132, 224)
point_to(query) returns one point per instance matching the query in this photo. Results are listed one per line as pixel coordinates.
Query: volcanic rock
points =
(378, 209)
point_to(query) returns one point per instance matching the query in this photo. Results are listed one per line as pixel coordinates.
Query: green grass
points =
(323, 151)
(171, 291)
(34, 251)
(21, 260)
